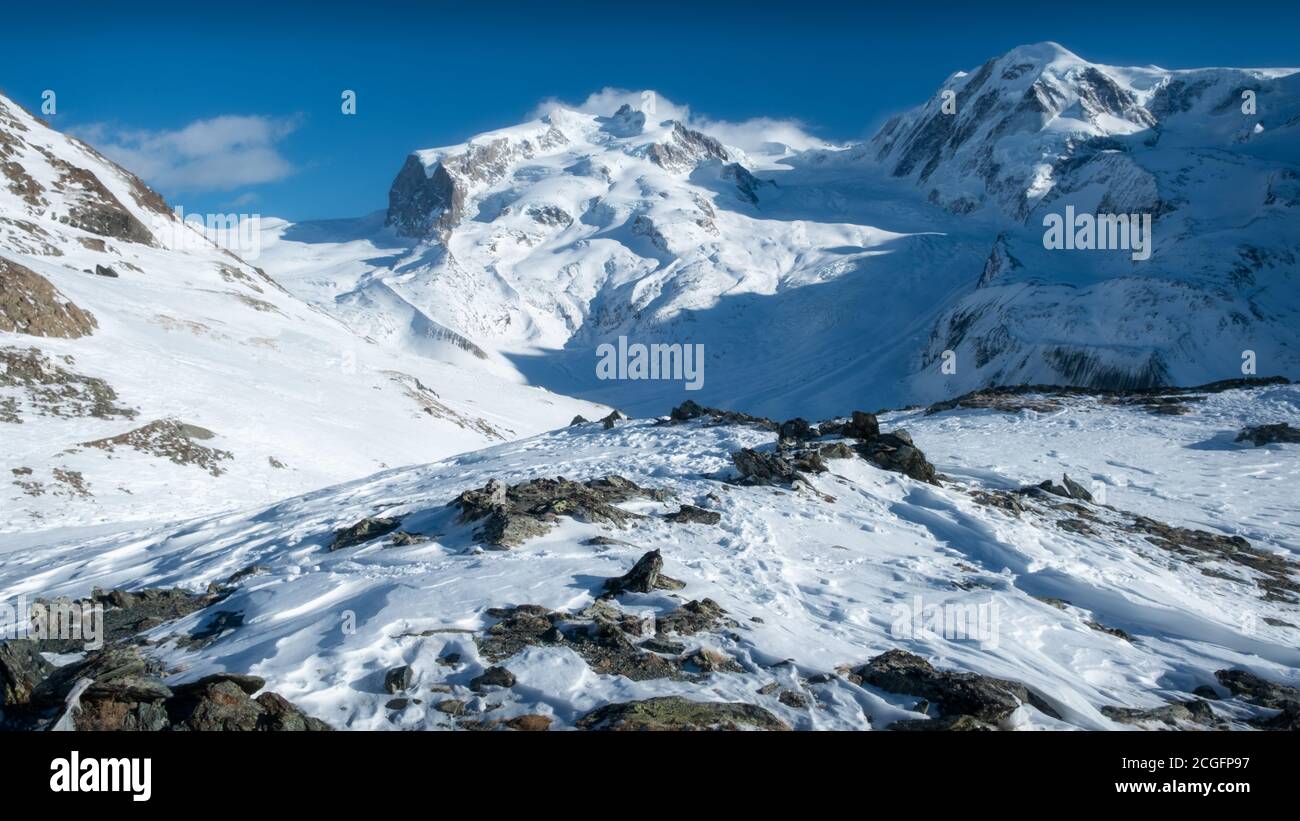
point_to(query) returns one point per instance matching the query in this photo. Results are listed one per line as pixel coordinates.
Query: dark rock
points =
(451, 706)
(519, 512)
(981, 697)
(644, 577)
(1110, 631)
(658, 644)
(797, 430)
(398, 679)
(694, 515)
(1172, 714)
(1207, 692)
(861, 425)
(21, 668)
(798, 701)
(1076, 490)
(613, 418)
(579, 420)
(249, 684)
(689, 410)
(280, 715)
(764, 467)
(105, 271)
(363, 531)
(1261, 435)
(895, 451)
(1260, 691)
(493, 676)
(676, 713)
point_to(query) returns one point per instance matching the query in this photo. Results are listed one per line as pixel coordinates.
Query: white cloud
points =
(752, 136)
(217, 154)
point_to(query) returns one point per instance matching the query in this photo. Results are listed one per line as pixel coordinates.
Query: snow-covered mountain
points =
(818, 276)
(146, 374)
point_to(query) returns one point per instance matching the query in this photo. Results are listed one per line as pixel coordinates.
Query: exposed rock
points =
(1261, 435)
(685, 148)
(398, 679)
(169, 439)
(690, 514)
(51, 390)
(981, 697)
(30, 305)
(690, 410)
(494, 677)
(519, 512)
(1260, 691)
(218, 703)
(1200, 545)
(579, 420)
(105, 271)
(797, 430)
(21, 668)
(371, 527)
(1173, 714)
(1110, 631)
(694, 617)
(613, 418)
(403, 539)
(1076, 490)
(861, 425)
(677, 713)
(645, 576)
(706, 660)
(895, 451)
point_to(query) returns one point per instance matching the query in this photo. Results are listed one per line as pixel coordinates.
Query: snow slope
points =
(815, 575)
(255, 393)
(819, 276)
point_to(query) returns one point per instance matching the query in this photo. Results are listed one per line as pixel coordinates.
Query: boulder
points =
(399, 679)
(22, 667)
(1260, 435)
(645, 576)
(363, 531)
(690, 514)
(493, 677)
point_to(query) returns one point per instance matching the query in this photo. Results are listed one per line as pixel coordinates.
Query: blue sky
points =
(235, 106)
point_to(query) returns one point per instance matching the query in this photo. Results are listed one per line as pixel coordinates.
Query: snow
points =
(826, 571)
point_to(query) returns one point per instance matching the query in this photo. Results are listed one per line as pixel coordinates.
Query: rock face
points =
(424, 204)
(30, 305)
(513, 514)
(1260, 435)
(668, 713)
(982, 698)
(686, 148)
(47, 388)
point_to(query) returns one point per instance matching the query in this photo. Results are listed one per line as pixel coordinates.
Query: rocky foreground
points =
(706, 570)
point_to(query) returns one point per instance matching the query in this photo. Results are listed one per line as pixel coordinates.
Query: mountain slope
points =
(146, 374)
(777, 602)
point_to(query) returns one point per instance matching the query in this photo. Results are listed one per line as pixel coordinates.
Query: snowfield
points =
(815, 579)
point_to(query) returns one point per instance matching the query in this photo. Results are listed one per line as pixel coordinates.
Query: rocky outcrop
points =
(513, 514)
(895, 451)
(684, 149)
(690, 514)
(1260, 435)
(674, 713)
(424, 204)
(22, 667)
(371, 527)
(169, 439)
(981, 698)
(30, 305)
(49, 389)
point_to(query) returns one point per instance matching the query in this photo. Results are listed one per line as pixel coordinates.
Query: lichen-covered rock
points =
(690, 514)
(981, 697)
(668, 713)
(644, 577)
